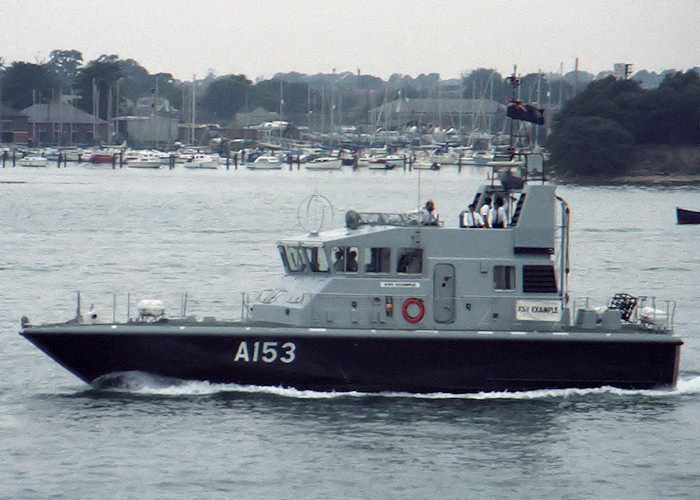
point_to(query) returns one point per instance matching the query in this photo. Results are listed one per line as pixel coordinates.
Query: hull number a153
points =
(266, 352)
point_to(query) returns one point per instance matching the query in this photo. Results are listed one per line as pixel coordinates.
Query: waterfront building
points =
(14, 126)
(60, 123)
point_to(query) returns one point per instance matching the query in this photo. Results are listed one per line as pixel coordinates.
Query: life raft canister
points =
(415, 318)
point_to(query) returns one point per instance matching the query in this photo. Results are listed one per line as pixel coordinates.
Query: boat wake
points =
(145, 384)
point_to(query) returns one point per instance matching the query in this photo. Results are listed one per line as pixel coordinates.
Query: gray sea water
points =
(158, 234)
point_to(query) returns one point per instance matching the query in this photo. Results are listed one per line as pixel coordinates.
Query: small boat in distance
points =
(203, 161)
(147, 159)
(266, 162)
(101, 157)
(426, 164)
(324, 163)
(33, 161)
(684, 216)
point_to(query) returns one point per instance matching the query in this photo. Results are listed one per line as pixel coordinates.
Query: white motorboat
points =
(426, 164)
(33, 161)
(324, 163)
(266, 162)
(386, 162)
(145, 159)
(203, 161)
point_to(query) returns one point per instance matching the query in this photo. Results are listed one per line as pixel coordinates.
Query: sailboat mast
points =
(194, 101)
(514, 83)
(539, 98)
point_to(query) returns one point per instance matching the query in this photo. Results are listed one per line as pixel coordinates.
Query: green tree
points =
(135, 80)
(484, 83)
(594, 132)
(617, 100)
(225, 96)
(26, 83)
(104, 71)
(169, 88)
(266, 94)
(591, 146)
(673, 115)
(64, 66)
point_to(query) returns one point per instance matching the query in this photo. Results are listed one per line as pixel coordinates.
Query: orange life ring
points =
(417, 317)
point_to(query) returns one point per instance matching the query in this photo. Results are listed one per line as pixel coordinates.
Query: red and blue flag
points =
(518, 110)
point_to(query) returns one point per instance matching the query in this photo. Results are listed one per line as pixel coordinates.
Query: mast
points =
(281, 100)
(539, 97)
(194, 100)
(95, 109)
(491, 78)
(109, 116)
(561, 83)
(514, 83)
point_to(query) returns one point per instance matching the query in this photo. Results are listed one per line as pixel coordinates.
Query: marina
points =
(255, 157)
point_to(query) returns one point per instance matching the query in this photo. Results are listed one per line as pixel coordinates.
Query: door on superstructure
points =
(444, 293)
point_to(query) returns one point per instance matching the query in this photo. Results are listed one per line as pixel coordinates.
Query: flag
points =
(518, 110)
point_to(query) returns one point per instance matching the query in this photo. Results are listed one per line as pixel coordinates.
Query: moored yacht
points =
(144, 159)
(203, 161)
(33, 161)
(324, 163)
(266, 162)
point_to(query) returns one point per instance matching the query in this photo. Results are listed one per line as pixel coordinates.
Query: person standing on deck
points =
(484, 211)
(472, 218)
(497, 215)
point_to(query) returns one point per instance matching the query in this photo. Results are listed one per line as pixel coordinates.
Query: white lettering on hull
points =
(266, 352)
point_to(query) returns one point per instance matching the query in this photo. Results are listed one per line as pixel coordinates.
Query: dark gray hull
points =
(367, 361)
(684, 216)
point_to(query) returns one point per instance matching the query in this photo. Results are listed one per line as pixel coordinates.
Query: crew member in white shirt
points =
(484, 211)
(497, 215)
(472, 218)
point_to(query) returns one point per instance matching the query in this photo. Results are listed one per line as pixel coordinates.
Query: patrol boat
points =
(395, 302)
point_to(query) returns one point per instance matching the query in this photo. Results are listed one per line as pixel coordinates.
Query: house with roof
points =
(60, 123)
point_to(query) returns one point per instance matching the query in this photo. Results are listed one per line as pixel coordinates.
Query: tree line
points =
(597, 132)
(322, 99)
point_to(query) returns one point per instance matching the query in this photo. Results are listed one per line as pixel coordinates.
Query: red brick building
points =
(14, 126)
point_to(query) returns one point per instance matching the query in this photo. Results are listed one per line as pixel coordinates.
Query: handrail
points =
(564, 264)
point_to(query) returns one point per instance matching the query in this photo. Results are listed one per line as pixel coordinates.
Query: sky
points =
(259, 38)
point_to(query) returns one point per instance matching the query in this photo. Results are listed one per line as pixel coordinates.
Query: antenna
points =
(418, 211)
(315, 213)
(78, 314)
(419, 186)
(514, 83)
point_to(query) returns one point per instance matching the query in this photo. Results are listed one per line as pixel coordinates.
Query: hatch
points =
(444, 293)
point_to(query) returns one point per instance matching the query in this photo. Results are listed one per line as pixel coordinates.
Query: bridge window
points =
(378, 260)
(294, 259)
(504, 278)
(283, 256)
(316, 257)
(344, 259)
(410, 261)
